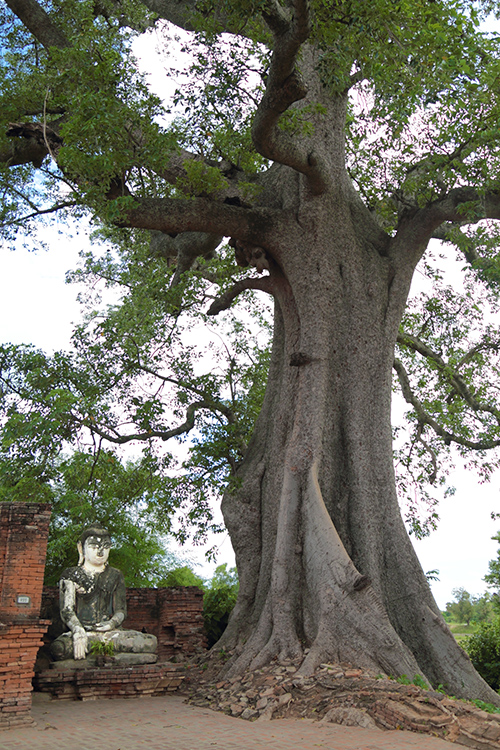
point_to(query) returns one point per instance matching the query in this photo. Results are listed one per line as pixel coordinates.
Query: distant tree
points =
(493, 577)
(182, 576)
(461, 610)
(482, 607)
(483, 648)
(219, 600)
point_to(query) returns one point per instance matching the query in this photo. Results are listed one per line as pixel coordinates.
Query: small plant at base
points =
(100, 648)
(403, 680)
(419, 681)
(488, 707)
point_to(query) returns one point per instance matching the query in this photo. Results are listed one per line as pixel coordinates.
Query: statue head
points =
(94, 545)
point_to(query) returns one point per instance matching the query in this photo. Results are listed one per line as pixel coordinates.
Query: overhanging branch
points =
(39, 23)
(460, 206)
(113, 436)
(202, 215)
(424, 418)
(454, 379)
(185, 248)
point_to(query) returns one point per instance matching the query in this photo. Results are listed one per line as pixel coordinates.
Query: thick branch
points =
(175, 173)
(177, 12)
(225, 300)
(183, 13)
(202, 215)
(284, 87)
(453, 233)
(184, 248)
(465, 205)
(39, 23)
(424, 418)
(24, 151)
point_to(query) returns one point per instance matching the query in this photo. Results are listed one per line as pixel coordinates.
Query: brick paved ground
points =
(168, 723)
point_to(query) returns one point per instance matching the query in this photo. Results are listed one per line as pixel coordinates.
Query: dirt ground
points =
(341, 694)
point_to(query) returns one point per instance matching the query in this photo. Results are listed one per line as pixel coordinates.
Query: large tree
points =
(330, 141)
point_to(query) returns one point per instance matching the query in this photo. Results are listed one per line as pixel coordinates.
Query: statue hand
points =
(104, 626)
(80, 641)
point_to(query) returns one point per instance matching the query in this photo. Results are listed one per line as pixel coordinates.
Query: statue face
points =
(96, 550)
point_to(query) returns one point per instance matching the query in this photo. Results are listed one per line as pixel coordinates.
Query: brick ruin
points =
(173, 615)
(24, 529)
(29, 620)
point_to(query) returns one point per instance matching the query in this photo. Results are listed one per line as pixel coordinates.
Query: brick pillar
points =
(24, 529)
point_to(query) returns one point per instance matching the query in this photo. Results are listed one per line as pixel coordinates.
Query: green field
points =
(461, 630)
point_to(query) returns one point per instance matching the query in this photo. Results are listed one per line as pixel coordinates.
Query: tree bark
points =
(327, 570)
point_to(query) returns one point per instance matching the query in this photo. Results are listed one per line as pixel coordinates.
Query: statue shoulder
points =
(72, 574)
(114, 574)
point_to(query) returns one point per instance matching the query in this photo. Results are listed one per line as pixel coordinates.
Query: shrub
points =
(183, 576)
(484, 650)
(220, 597)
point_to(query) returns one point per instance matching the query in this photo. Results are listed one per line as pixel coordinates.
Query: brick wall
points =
(174, 615)
(24, 530)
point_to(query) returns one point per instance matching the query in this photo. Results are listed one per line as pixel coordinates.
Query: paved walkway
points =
(168, 723)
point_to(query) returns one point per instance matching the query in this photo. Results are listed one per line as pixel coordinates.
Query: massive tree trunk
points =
(327, 571)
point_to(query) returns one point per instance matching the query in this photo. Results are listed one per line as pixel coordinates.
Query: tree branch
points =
(215, 406)
(429, 451)
(284, 87)
(424, 418)
(41, 212)
(34, 141)
(175, 173)
(114, 437)
(182, 13)
(185, 248)
(39, 23)
(25, 151)
(464, 205)
(224, 301)
(203, 215)
(453, 378)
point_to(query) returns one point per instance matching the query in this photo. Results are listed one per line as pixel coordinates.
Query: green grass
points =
(460, 630)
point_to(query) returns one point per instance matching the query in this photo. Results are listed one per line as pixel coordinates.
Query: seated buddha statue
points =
(92, 600)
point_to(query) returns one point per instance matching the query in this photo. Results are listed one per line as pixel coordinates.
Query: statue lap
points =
(124, 641)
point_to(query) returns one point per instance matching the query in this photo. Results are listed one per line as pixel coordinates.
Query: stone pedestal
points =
(136, 681)
(92, 662)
